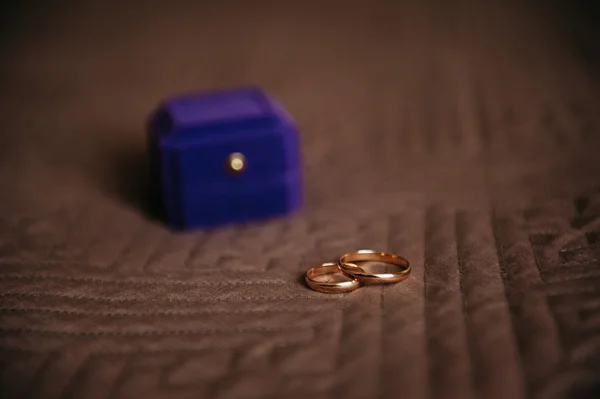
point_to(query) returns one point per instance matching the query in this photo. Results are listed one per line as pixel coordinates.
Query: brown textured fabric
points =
(463, 136)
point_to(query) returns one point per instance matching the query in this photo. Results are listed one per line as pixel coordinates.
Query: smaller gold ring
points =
(330, 287)
(359, 273)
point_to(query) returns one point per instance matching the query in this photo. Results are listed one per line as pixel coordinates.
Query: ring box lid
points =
(189, 119)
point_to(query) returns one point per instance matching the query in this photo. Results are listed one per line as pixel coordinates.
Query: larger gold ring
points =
(330, 287)
(362, 255)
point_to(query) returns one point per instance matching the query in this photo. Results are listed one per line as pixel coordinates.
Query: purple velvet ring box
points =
(224, 157)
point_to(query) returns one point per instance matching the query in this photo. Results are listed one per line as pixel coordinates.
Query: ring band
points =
(326, 286)
(359, 273)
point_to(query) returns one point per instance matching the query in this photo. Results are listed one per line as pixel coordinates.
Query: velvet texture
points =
(190, 139)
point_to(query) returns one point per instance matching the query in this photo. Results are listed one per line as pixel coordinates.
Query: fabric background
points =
(460, 135)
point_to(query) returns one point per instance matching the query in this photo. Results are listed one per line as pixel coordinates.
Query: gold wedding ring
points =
(353, 270)
(331, 287)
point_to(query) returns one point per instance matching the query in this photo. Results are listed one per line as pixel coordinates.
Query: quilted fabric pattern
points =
(462, 136)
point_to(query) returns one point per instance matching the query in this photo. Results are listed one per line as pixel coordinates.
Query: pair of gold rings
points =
(353, 275)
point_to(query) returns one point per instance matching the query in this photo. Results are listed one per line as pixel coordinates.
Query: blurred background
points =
(464, 134)
(394, 83)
